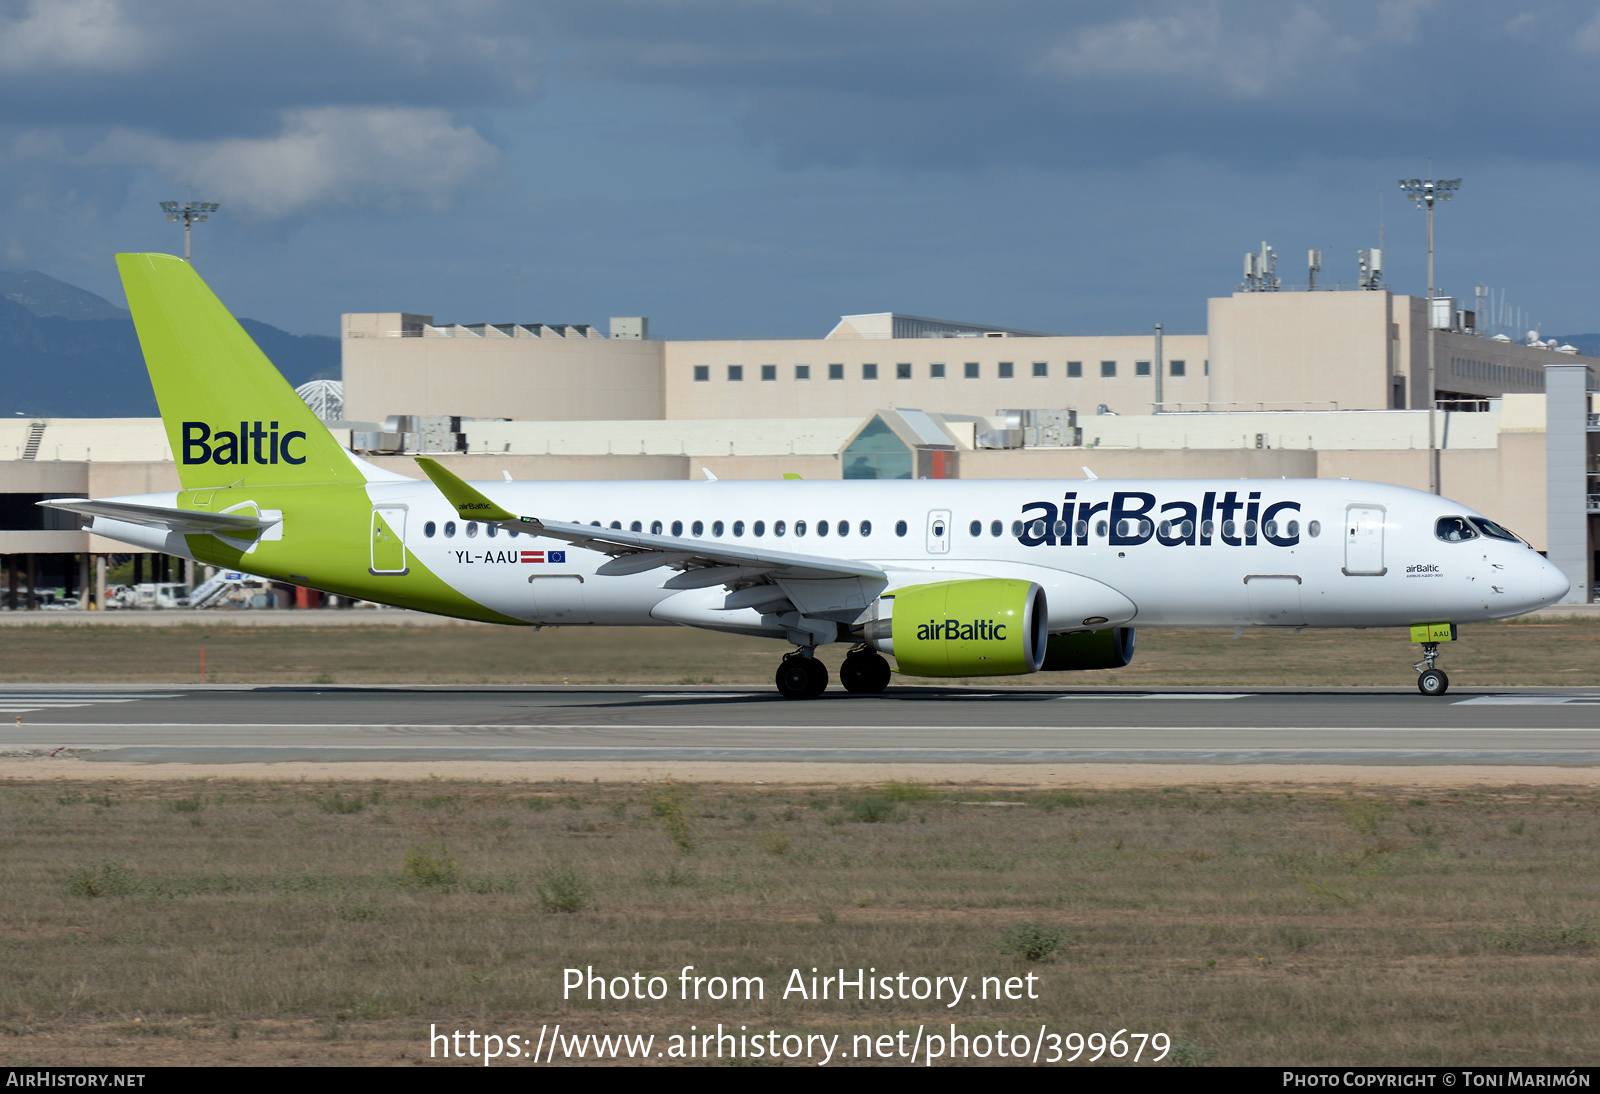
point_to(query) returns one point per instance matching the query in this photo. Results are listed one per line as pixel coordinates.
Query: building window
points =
(1074, 369)
(970, 369)
(1207, 369)
(702, 372)
(802, 372)
(1007, 370)
(869, 372)
(1108, 368)
(1177, 368)
(936, 371)
(1141, 368)
(1041, 368)
(836, 372)
(735, 373)
(902, 371)
(876, 453)
(769, 372)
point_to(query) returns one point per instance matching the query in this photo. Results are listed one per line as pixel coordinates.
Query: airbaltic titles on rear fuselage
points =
(1133, 517)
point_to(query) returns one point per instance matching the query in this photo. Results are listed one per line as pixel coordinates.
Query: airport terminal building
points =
(1296, 384)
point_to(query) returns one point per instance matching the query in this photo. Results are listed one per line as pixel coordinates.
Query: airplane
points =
(950, 578)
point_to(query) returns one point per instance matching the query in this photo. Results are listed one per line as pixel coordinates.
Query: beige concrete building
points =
(1261, 351)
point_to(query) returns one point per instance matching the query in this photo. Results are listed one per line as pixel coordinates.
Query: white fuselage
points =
(1168, 552)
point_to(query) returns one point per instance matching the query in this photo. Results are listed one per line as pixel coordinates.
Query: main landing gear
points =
(864, 672)
(1431, 680)
(801, 675)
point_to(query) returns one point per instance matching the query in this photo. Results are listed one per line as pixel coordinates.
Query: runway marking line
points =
(626, 726)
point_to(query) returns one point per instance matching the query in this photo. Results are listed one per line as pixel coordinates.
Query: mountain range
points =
(67, 353)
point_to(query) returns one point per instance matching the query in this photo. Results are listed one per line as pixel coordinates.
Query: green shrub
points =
(110, 878)
(186, 805)
(671, 804)
(431, 866)
(1031, 941)
(565, 889)
(872, 809)
(338, 803)
(907, 792)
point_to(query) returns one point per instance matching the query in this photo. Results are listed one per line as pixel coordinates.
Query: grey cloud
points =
(1061, 84)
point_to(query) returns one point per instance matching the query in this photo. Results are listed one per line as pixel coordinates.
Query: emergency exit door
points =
(939, 532)
(389, 540)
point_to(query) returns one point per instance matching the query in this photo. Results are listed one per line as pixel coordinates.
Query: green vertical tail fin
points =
(230, 415)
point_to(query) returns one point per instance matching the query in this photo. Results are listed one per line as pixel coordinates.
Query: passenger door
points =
(939, 532)
(1363, 540)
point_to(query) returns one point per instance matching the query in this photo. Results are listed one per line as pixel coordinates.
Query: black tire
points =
(795, 679)
(864, 673)
(819, 677)
(1433, 682)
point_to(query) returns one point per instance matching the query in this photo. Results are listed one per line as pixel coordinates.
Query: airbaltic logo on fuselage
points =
(953, 630)
(257, 445)
(1133, 517)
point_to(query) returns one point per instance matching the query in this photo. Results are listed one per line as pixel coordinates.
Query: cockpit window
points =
(1455, 529)
(1494, 531)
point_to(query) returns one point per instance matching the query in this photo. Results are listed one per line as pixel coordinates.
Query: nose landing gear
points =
(1431, 680)
(801, 675)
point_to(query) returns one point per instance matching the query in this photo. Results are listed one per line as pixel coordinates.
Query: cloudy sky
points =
(754, 168)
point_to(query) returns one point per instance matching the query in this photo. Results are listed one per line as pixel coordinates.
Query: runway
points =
(238, 724)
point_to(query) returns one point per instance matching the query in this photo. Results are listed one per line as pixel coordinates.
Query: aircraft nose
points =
(1553, 584)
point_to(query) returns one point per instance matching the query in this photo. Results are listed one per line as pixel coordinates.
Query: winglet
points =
(1089, 474)
(469, 503)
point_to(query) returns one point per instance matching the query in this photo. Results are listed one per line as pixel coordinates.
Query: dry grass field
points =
(251, 922)
(1527, 653)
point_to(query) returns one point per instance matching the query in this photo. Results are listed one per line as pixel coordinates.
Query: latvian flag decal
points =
(544, 556)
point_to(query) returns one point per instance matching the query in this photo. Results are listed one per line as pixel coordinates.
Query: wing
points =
(755, 576)
(185, 521)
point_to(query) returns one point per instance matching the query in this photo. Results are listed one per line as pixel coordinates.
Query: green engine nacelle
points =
(1108, 649)
(985, 627)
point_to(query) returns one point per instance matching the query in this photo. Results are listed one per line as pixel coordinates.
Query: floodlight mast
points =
(189, 212)
(1424, 192)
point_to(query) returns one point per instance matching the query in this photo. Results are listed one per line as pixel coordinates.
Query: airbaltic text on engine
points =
(1135, 517)
(952, 630)
(201, 445)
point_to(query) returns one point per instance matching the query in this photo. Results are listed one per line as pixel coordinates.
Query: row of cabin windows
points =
(697, 528)
(971, 370)
(1168, 529)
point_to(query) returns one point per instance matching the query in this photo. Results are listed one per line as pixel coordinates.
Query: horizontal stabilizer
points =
(184, 521)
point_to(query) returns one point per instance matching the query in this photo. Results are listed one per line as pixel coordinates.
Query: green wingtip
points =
(469, 503)
(790, 475)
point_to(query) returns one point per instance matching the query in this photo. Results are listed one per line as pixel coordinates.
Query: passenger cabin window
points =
(449, 529)
(844, 528)
(738, 528)
(779, 527)
(900, 528)
(677, 528)
(655, 528)
(429, 529)
(976, 528)
(866, 528)
(1455, 529)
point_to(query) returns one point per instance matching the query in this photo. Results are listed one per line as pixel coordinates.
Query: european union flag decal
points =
(556, 556)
